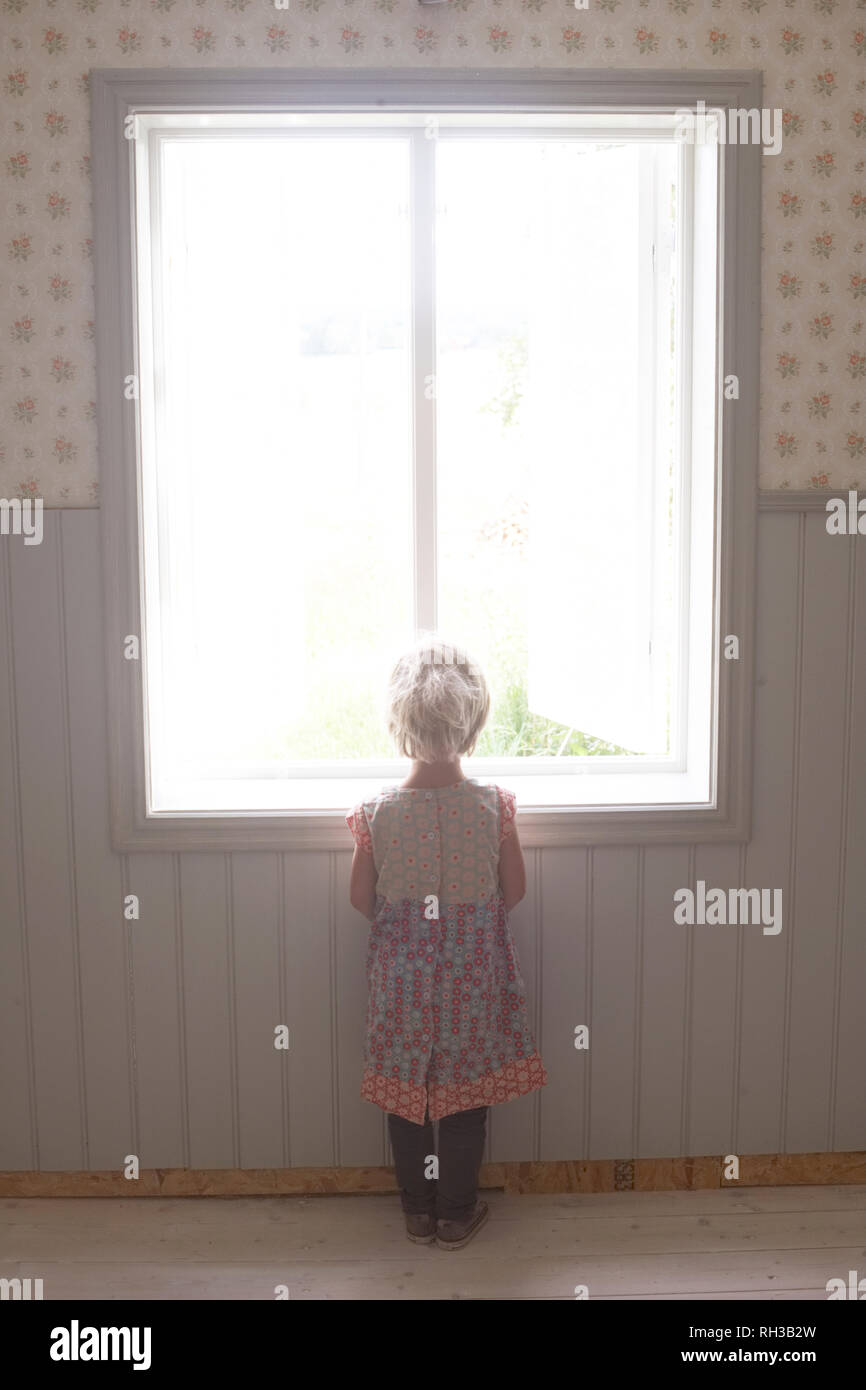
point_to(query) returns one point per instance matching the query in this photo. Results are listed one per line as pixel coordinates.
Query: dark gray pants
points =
(461, 1144)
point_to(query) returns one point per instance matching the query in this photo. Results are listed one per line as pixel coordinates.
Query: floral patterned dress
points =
(447, 1024)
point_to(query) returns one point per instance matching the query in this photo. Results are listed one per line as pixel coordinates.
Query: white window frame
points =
(615, 816)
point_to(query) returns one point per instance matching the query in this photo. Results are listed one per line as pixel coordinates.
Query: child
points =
(437, 866)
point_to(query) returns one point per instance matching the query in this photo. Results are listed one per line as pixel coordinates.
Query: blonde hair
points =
(437, 701)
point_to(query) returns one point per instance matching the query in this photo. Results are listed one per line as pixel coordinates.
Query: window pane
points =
(284, 483)
(555, 408)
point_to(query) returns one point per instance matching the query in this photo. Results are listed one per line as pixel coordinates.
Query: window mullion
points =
(423, 217)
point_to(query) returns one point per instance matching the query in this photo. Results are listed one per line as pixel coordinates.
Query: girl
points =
(437, 866)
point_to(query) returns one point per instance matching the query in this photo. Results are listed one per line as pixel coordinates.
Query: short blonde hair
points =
(437, 701)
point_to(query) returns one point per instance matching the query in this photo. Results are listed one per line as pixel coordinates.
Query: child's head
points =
(438, 702)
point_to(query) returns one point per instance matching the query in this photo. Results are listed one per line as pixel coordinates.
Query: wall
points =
(813, 54)
(156, 1037)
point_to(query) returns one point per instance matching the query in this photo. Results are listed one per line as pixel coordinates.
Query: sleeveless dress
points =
(447, 1026)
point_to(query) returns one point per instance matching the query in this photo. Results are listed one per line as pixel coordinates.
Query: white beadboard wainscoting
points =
(155, 1037)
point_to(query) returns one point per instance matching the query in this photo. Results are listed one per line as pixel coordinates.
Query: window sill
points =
(553, 811)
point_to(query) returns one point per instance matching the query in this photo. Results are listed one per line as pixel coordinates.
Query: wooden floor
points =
(758, 1243)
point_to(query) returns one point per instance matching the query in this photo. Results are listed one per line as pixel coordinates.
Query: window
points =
(447, 363)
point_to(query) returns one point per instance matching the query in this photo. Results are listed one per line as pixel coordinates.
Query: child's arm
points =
(512, 871)
(362, 883)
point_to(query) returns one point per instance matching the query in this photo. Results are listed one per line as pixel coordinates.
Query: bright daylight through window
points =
(413, 373)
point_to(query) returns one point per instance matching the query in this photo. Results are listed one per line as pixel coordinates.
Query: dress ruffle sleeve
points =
(357, 823)
(507, 811)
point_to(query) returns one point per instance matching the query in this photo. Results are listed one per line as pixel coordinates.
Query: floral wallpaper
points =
(812, 53)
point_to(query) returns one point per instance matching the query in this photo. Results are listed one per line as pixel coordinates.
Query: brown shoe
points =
(453, 1235)
(421, 1229)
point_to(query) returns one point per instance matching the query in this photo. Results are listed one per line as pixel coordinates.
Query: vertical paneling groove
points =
(181, 1007)
(257, 988)
(712, 1011)
(208, 1020)
(129, 972)
(843, 833)
(638, 998)
(790, 906)
(310, 1005)
(663, 992)
(75, 924)
(588, 997)
(160, 1105)
(231, 990)
(686, 1076)
(29, 1073)
(850, 1097)
(335, 1033)
(587, 1001)
(284, 1011)
(612, 1042)
(563, 994)
(538, 915)
(738, 1016)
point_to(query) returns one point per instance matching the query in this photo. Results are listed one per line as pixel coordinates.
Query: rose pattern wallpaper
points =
(812, 54)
